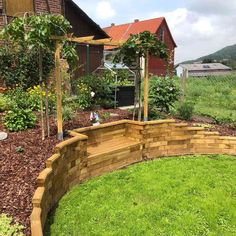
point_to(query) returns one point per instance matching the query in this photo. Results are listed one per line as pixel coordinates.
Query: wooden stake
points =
(41, 94)
(58, 91)
(183, 78)
(145, 105)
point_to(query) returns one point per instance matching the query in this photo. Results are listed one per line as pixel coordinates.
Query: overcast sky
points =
(199, 27)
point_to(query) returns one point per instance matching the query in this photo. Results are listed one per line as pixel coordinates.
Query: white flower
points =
(92, 94)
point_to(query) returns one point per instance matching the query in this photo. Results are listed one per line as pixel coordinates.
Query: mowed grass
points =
(177, 196)
(214, 97)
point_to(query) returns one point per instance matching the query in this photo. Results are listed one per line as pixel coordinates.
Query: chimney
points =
(136, 20)
(112, 24)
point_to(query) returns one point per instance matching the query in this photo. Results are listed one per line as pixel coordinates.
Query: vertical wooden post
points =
(146, 87)
(87, 59)
(41, 93)
(58, 91)
(183, 78)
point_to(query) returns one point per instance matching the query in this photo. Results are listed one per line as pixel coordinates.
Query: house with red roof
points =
(156, 26)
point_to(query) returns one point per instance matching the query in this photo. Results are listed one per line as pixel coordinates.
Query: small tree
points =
(139, 46)
(34, 34)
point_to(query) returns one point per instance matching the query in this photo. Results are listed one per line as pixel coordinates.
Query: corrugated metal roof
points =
(204, 67)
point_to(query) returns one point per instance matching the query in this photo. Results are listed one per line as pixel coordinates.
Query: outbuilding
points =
(202, 70)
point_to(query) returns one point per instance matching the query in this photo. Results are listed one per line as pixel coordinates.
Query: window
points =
(162, 34)
(19, 7)
(206, 66)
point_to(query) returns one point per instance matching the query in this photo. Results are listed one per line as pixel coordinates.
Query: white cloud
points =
(104, 10)
(215, 7)
(203, 26)
(199, 27)
(198, 34)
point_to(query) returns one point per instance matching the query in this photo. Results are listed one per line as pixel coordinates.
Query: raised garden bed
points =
(23, 156)
(19, 170)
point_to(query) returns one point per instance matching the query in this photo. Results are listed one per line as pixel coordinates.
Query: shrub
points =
(19, 119)
(84, 97)
(35, 98)
(185, 110)
(163, 93)
(7, 228)
(18, 67)
(19, 97)
(100, 86)
(5, 103)
(68, 113)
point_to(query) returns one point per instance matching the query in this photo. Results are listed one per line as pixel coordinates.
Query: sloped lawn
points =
(176, 196)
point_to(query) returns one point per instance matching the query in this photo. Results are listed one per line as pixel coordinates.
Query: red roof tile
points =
(123, 32)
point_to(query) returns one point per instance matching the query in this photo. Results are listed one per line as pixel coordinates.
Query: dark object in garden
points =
(125, 95)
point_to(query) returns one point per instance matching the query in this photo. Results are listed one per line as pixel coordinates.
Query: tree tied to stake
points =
(34, 33)
(139, 46)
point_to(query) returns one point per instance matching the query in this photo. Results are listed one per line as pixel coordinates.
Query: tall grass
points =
(214, 97)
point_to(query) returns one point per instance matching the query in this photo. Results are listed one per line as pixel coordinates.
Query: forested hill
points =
(226, 56)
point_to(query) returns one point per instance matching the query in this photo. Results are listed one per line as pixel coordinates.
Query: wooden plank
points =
(58, 91)
(90, 40)
(18, 7)
(145, 104)
(73, 39)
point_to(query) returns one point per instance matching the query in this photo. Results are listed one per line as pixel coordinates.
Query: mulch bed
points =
(18, 171)
(209, 124)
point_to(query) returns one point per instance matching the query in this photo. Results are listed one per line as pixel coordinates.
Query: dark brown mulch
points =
(209, 124)
(18, 171)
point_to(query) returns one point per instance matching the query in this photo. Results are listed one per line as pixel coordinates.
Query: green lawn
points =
(214, 97)
(181, 196)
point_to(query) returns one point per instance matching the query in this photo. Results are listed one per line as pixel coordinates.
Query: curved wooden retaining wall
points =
(96, 150)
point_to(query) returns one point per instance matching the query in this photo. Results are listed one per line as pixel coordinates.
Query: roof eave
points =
(89, 19)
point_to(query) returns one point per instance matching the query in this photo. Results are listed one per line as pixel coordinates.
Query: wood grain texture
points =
(16, 7)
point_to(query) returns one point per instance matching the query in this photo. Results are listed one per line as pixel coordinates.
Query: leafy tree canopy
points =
(138, 45)
(26, 38)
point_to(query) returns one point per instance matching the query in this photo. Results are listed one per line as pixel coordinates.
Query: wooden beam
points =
(81, 39)
(90, 40)
(58, 91)
(104, 40)
(73, 39)
(98, 42)
(146, 87)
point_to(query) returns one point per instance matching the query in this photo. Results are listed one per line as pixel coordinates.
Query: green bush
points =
(84, 97)
(68, 113)
(163, 93)
(9, 229)
(20, 68)
(35, 99)
(19, 119)
(100, 86)
(185, 110)
(5, 103)
(19, 97)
